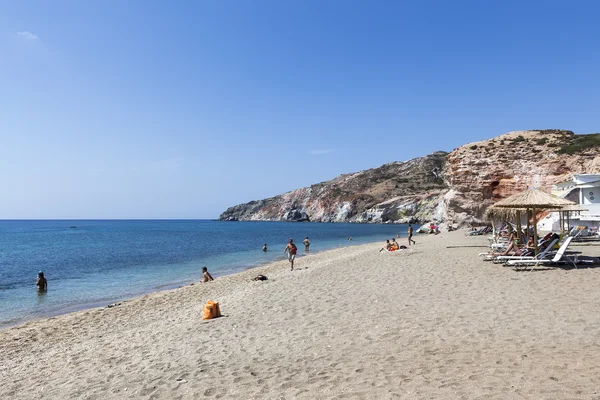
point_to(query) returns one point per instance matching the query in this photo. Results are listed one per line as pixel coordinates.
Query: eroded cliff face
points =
(455, 187)
(481, 173)
(395, 191)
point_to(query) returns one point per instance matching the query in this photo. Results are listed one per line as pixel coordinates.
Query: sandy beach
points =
(429, 322)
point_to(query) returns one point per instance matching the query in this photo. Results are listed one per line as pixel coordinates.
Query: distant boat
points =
(73, 227)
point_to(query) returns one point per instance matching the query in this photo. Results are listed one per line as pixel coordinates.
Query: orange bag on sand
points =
(211, 310)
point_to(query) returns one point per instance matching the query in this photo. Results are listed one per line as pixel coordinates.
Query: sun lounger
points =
(542, 255)
(556, 260)
(477, 232)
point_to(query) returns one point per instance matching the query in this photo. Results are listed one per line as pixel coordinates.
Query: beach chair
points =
(499, 246)
(479, 232)
(577, 235)
(540, 256)
(534, 263)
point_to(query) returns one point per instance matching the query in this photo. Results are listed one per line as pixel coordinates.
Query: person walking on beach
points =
(410, 233)
(206, 276)
(41, 283)
(291, 249)
(306, 244)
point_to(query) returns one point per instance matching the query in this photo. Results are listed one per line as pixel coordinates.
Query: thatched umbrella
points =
(565, 211)
(533, 199)
(497, 214)
(494, 215)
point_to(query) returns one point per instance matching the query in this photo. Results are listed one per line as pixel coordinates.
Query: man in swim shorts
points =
(291, 249)
(410, 233)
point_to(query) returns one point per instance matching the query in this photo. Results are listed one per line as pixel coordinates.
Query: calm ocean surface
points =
(103, 261)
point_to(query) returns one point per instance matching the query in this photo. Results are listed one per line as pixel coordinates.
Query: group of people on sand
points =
(434, 229)
(523, 246)
(291, 250)
(393, 245)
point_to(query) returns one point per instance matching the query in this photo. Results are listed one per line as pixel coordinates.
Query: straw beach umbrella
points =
(497, 214)
(533, 199)
(494, 215)
(565, 211)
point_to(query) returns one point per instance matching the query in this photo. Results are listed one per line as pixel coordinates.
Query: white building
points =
(584, 189)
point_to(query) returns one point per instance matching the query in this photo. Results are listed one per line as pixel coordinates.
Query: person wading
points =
(41, 283)
(306, 244)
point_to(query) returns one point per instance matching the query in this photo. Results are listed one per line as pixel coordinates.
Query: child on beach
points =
(291, 249)
(206, 276)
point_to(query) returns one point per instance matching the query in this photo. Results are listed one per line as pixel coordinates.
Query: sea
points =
(93, 263)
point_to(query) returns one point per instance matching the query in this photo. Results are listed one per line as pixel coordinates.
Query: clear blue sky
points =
(156, 109)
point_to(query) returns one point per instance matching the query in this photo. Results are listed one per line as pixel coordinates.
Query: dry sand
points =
(429, 322)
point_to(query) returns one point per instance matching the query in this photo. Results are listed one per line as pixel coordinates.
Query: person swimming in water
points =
(41, 283)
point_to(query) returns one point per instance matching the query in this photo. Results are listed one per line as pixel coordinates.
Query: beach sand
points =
(431, 322)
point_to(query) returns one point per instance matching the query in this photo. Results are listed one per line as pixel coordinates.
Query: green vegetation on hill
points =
(579, 143)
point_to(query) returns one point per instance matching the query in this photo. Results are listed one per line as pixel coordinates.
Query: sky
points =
(156, 109)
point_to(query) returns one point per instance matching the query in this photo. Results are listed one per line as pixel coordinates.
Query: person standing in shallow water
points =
(410, 233)
(41, 283)
(306, 244)
(291, 249)
(265, 247)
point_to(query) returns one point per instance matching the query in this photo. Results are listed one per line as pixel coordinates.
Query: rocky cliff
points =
(398, 190)
(481, 173)
(455, 187)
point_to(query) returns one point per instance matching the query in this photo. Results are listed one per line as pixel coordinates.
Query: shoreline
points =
(433, 321)
(157, 289)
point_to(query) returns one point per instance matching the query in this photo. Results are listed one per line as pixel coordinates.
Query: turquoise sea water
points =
(98, 262)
